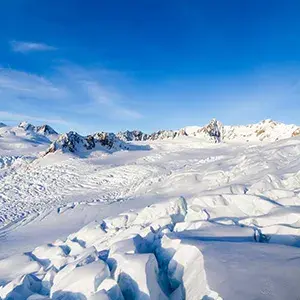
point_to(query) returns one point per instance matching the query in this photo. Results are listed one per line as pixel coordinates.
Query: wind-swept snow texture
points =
(183, 218)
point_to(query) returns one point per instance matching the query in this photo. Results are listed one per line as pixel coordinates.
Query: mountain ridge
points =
(213, 132)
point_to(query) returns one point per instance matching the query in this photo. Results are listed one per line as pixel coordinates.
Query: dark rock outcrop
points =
(75, 143)
(45, 130)
(215, 130)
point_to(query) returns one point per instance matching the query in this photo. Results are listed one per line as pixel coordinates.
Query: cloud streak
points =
(17, 83)
(101, 96)
(71, 94)
(9, 116)
(25, 47)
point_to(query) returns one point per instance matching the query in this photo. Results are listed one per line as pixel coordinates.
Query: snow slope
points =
(180, 218)
(25, 139)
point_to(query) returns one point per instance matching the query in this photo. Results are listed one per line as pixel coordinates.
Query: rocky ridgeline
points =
(214, 131)
(266, 130)
(44, 129)
(75, 143)
(296, 132)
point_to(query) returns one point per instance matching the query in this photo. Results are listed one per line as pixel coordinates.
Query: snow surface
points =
(183, 218)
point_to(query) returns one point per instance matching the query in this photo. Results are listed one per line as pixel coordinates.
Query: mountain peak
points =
(26, 126)
(45, 129)
(75, 143)
(214, 129)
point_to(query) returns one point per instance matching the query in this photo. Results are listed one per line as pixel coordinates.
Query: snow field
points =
(170, 250)
(223, 223)
(122, 258)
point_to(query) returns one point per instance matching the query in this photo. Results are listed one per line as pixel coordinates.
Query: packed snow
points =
(212, 213)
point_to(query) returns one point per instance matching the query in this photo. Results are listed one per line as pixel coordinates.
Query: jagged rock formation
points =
(135, 135)
(296, 132)
(26, 126)
(26, 135)
(44, 129)
(266, 130)
(70, 141)
(75, 143)
(162, 134)
(214, 130)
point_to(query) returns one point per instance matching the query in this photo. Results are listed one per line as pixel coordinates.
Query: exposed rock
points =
(162, 134)
(110, 141)
(215, 130)
(296, 132)
(135, 135)
(68, 142)
(74, 142)
(45, 129)
(182, 132)
(27, 126)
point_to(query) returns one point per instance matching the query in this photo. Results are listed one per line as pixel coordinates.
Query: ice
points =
(20, 288)
(112, 289)
(137, 276)
(50, 255)
(17, 265)
(88, 234)
(82, 281)
(101, 295)
(186, 219)
(186, 271)
(174, 208)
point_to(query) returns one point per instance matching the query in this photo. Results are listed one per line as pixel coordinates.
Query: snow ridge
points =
(44, 129)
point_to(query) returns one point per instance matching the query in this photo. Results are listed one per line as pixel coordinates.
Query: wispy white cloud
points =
(70, 93)
(16, 117)
(25, 47)
(16, 84)
(102, 97)
(100, 89)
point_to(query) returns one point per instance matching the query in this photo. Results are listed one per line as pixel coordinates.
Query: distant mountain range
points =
(264, 131)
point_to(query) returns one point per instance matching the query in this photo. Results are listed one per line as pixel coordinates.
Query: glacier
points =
(209, 212)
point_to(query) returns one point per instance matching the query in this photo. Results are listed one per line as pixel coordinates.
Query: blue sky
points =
(147, 64)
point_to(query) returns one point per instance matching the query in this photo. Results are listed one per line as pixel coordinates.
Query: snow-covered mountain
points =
(25, 129)
(25, 139)
(45, 130)
(266, 130)
(75, 143)
(214, 131)
(197, 216)
(26, 135)
(185, 220)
